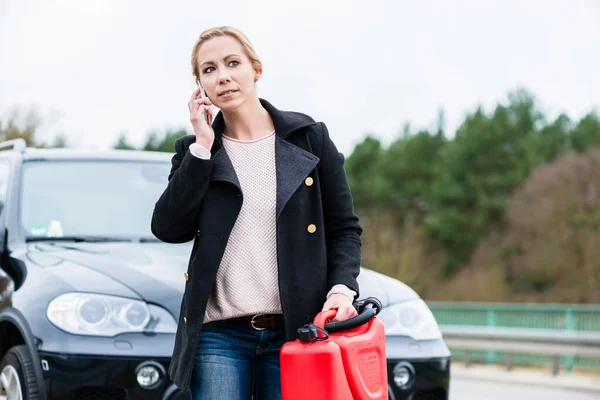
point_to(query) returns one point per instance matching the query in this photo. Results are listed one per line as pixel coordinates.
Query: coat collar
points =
(293, 164)
(285, 122)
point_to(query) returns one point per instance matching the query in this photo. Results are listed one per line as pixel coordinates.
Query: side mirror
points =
(16, 269)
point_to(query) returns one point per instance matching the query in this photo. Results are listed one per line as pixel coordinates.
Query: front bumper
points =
(107, 378)
(431, 380)
(417, 370)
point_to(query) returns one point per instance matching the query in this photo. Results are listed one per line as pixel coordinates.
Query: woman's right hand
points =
(199, 109)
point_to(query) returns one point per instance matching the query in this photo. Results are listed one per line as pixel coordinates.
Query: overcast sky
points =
(98, 68)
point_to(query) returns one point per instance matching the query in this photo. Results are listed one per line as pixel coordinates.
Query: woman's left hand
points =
(343, 305)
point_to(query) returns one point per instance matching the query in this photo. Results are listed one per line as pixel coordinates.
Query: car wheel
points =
(17, 375)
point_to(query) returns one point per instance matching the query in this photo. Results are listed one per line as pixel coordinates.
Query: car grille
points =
(430, 395)
(101, 394)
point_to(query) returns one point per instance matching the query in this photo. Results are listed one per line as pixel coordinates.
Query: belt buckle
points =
(252, 322)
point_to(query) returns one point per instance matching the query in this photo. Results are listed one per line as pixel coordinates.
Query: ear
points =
(256, 77)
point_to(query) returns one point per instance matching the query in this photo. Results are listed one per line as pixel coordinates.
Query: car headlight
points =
(102, 315)
(411, 318)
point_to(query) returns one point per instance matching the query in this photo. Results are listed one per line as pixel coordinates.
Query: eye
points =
(233, 63)
(208, 70)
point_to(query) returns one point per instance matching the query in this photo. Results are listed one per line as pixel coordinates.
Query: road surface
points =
(472, 389)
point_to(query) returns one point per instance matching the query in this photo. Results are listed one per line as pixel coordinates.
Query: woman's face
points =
(226, 72)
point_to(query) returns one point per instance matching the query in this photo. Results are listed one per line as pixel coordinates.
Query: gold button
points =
(312, 228)
(308, 181)
(186, 276)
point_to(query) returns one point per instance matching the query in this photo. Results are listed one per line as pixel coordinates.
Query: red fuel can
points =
(342, 361)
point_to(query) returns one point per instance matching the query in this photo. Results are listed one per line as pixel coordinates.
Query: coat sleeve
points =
(175, 215)
(342, 228)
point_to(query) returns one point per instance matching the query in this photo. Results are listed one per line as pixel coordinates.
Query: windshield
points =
(90, 198)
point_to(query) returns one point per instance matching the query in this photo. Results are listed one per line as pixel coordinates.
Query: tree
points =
(587, 133)
(18, 124)
(408, 167)
(544, 145)
(166, 143)
(477, 173)
(154, 141)
(553, 235)
(15, 126)
(363, 167)
(123, 143)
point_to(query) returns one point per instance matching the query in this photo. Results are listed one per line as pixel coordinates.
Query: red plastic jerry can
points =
(337, 361)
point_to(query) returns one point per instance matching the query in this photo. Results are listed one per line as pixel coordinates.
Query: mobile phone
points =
(203, 95)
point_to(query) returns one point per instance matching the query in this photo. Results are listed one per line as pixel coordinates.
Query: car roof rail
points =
(18, 144)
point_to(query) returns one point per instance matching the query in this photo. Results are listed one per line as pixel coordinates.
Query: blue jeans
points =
(235, 361)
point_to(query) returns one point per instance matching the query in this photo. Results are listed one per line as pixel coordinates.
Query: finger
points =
(195, 94)
(345, 312)
(195, 103)
(198, 113)
(205, 102)
(200, 106)
(340, 316)
(192, 105)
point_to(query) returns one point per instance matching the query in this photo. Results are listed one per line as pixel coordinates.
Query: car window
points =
(4, 174)
(105, 198)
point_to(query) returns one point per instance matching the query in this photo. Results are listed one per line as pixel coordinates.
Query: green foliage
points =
(397, 179)
(154, 141)
(544, 145)
(123, 143)
(477, 173)
(458, 189)
(165, 143)
(587, 133)
(409, 166)
(363, 170)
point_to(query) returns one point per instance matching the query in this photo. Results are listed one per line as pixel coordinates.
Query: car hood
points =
(149, 271)
(387, 289)
(154, 272)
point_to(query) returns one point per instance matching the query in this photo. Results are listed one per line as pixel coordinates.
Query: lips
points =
(226, 92)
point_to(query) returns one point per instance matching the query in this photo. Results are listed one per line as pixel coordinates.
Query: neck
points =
(248, 122)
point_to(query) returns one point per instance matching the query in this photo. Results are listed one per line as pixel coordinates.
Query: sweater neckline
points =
(250, 140)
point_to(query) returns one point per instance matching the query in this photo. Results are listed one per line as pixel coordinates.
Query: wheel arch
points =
(14, 330)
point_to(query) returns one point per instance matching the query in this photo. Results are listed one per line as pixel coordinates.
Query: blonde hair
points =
(222, 31)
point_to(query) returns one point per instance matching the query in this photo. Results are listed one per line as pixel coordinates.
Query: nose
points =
(224, 76)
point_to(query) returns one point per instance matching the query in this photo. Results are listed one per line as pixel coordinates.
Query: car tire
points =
(18, 361)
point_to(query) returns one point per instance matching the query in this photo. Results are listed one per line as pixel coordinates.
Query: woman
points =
(263, 194)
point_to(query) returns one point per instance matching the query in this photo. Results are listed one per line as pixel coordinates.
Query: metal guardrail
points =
(569, 317)
(538, 316)
(522, 340)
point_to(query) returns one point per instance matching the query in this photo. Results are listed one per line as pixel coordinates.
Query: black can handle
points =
(366, 308)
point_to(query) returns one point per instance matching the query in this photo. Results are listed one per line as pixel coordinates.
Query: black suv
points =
(89, 298)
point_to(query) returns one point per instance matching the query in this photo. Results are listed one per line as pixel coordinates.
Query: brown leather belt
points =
(261, 321)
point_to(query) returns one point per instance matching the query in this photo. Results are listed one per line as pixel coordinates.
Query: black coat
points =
(202, 201)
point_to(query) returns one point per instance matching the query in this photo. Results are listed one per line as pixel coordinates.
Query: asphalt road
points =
(471, 389)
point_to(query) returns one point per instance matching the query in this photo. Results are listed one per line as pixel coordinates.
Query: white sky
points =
(98, 68)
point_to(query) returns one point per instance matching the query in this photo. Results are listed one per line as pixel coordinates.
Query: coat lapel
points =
(223, 169)
(293, 165)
